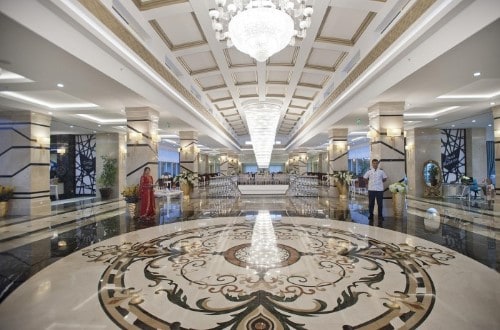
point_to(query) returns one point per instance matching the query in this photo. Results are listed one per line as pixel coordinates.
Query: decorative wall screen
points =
(452, 154)
(85, 165)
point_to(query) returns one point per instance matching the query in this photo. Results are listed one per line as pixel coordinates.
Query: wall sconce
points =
(372, 134)
(393, 132)
(61, 151)
(156, 138)
(135, 137)
(43, 141)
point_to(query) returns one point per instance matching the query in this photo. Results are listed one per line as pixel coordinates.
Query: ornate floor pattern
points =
(261, 271)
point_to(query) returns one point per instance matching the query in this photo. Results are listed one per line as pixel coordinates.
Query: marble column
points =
(302, 163)
(387, 145)
(189, 151)
(496, 132)
(338, 155)
(224, 164)
(422, 145)
(112, 145)
(25, 161)
(142, 144)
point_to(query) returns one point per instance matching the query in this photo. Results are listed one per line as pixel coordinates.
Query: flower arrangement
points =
(342, 177)
(6, 193)
(186, 178)
(131, 193)
(398, 187)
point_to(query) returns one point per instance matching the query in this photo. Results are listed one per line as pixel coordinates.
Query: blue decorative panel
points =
(452, 154)
(85, 158)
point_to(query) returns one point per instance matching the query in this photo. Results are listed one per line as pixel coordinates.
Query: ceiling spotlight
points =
(473, 120)
(60, 85)
(477, 74)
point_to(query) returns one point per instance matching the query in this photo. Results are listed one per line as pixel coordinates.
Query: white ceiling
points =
(59, 41)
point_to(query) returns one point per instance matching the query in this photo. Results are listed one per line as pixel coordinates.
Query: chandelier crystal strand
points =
(260, 28)
(262, 120)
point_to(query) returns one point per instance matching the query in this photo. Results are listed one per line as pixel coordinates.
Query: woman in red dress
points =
(147, 196)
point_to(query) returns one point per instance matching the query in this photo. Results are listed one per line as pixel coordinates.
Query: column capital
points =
(142, 113)
(386, 109)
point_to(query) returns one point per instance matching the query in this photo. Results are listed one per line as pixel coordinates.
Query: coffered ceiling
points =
(163, 54)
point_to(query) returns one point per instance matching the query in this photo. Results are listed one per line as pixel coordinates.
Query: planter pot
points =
(132, 209)
(105, 193)
(343, 190)
(4, 207)
(398, 204)
(186, 189)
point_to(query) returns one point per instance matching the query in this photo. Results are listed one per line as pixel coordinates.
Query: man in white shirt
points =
(376, 178)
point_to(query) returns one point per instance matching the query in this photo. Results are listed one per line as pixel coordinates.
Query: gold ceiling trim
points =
(230, 64)
(341, 41)
(311, 85)
(163, 36)
(407, 20)
(107, 18)
(227, 98)
(143, 6)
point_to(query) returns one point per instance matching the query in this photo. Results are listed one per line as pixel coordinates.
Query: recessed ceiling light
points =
(60, 85)
(50, 112)
(477, 74)
(489, 125)
(435, 119)
(452, 125)
(71, 126)
(473, 120)
(99, 125)
(492, 103)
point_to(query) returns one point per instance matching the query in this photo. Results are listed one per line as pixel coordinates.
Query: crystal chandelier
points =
(260, 28)
(262, 120)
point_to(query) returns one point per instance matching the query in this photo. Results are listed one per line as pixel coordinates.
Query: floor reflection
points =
(467, 230)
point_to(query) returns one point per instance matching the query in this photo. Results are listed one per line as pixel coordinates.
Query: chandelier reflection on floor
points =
(260, 28)
(263, 253)
(262, 120)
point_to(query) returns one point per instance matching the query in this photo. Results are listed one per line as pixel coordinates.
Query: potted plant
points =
(398, 190)
(342, 181)
(186, 182)
(107, 178)
(6, 193)
(131, 195)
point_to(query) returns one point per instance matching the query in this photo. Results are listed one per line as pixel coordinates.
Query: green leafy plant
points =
(109, 170)
(6, 193)
(186, 178)
(398, 187)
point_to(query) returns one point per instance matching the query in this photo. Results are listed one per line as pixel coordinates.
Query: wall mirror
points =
(433, 177)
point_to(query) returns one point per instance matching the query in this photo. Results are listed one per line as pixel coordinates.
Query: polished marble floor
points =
(256, 262)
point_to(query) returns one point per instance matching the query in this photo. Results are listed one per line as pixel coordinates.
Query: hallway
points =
(253, 262)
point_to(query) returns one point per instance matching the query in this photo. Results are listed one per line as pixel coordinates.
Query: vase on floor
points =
(398, 204)
(132, 206)
(343, 190)
(186, 189)
(4, 207)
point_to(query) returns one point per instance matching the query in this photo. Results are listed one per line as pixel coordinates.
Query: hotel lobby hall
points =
(249, 164)
(253, 262)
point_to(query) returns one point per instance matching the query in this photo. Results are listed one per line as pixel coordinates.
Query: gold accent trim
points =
(163, 36)
(107, 18)
(346, 42)
(230, 65)
(415, 12)
(156, 4)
